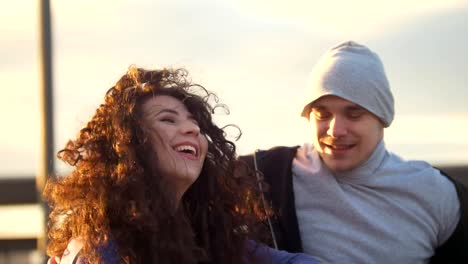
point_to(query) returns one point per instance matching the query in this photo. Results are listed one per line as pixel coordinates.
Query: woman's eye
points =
(167, 120)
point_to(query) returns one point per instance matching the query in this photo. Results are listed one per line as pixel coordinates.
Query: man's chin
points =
(339, 166)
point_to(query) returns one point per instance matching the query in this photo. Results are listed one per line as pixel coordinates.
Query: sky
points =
(255, 55)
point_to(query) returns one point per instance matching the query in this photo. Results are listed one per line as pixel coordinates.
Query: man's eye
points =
(355, 114)
(320, 115)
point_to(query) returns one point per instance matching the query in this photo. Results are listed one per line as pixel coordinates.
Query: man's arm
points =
(455, 249)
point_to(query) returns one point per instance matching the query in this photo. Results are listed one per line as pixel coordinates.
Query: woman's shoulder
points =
(260, 253)
(72, 254)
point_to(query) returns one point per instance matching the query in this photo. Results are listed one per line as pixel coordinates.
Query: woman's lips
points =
(187, 150)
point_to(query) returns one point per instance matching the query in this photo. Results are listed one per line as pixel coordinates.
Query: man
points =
(345, 198)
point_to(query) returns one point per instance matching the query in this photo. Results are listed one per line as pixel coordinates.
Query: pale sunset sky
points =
(255, 55)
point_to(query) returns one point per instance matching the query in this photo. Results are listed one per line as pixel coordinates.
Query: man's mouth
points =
(338, 147)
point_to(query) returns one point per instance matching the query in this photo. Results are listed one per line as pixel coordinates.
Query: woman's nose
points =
(189, 127)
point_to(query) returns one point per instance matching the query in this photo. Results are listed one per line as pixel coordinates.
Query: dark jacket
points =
(258, 253)
(276, 166)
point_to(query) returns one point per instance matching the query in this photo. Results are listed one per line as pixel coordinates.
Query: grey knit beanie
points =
(355, 73)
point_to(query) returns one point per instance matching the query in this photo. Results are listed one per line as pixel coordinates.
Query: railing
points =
(23, 192)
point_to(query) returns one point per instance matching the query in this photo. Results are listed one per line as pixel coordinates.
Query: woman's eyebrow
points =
(166, 110)
(174, 112)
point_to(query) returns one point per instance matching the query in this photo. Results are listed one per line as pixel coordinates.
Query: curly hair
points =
(113, 196)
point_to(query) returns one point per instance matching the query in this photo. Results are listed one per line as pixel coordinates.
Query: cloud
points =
(420, 129)
(14, 17)
(426, 60)
(342, 17)
(256, 59)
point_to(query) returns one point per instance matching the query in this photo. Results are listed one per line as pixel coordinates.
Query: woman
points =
(153, 181)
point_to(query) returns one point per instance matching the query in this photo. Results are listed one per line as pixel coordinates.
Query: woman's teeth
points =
(186, 149)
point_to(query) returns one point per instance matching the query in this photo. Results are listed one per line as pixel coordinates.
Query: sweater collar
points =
(366, 170)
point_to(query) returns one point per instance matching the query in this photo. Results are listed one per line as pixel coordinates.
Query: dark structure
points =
(23, 191)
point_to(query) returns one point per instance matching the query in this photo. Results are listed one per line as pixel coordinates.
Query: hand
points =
(54, 260)
(70, 253)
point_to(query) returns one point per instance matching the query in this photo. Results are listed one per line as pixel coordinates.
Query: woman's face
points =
(175, 137)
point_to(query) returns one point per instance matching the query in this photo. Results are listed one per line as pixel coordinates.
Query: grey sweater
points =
(388, 210)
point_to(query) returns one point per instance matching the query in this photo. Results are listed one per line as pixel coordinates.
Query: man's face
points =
(345, 134)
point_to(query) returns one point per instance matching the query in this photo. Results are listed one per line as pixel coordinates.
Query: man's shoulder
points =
(273, 150)
(413, 167)
(422, 174)
(274, 161)
(276, 152)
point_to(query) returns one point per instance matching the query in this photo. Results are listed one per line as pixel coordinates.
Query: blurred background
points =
(255, 55)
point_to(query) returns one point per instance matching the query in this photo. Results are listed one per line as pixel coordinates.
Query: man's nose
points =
(337, 127)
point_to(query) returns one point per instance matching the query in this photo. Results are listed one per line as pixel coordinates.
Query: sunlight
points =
(21, 221)
(342, 16)
(85, 13)
(420, 129)
(16, 19)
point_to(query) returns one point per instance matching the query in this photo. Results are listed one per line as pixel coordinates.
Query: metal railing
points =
(23, 191)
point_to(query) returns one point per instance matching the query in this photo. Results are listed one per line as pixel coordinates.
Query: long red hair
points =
(113, 197)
